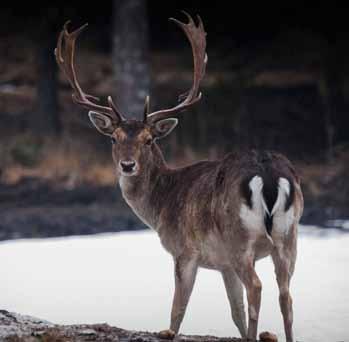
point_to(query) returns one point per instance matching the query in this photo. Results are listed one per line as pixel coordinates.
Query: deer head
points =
(133, 139)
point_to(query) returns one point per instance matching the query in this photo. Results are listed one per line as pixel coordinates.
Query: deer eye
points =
(149, 141)
(113, 140)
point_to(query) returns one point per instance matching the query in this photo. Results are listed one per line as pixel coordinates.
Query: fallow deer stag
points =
(222, 215)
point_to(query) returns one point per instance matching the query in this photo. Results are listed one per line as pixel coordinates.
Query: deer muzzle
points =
(128, 167)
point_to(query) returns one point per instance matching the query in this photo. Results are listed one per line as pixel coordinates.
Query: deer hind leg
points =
(185, 274)
(253, 285)
(284, 262)
(235, 294)
(284, 254)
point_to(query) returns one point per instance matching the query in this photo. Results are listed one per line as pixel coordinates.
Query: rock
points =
(167, 334)
(12, 324)
(267, 336)
(87, 332)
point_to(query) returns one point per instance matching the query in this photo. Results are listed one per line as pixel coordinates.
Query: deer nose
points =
(127, 165)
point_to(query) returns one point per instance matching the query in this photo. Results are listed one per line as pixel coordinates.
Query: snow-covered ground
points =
(126, 279)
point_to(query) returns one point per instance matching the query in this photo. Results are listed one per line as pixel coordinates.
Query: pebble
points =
(267, 336)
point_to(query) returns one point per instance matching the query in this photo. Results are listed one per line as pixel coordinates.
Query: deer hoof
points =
(266, 336)
(167, 334)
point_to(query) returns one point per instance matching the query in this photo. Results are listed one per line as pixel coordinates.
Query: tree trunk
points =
(330, 92)
(46, 118)
(130, 56)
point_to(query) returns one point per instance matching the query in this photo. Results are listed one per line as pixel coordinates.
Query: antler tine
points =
(115, 108)
(146, 108)
(197, 37)
(65, 53)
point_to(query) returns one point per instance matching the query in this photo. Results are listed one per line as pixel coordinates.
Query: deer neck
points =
(138, 190)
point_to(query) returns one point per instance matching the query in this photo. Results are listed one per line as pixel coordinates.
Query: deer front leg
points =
(185, 274)
(235, 294)
(253, 285)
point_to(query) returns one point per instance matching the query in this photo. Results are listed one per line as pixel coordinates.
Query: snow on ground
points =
(126, 279)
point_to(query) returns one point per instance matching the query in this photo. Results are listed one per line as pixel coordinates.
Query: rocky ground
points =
(20, 328)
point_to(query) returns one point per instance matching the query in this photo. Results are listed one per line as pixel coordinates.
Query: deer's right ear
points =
(103, 123)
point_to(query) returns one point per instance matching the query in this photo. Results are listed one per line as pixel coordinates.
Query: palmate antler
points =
(197, 38)
(65, 59)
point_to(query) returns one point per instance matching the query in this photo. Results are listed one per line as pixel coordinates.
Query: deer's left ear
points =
(103, 123)
(164, 127)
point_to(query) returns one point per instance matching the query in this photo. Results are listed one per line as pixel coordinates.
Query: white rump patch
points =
(282, 220)
(283, 193)
(253, 219)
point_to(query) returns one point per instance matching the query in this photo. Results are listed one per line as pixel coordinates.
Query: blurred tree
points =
(47, 119)
(130, 55)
